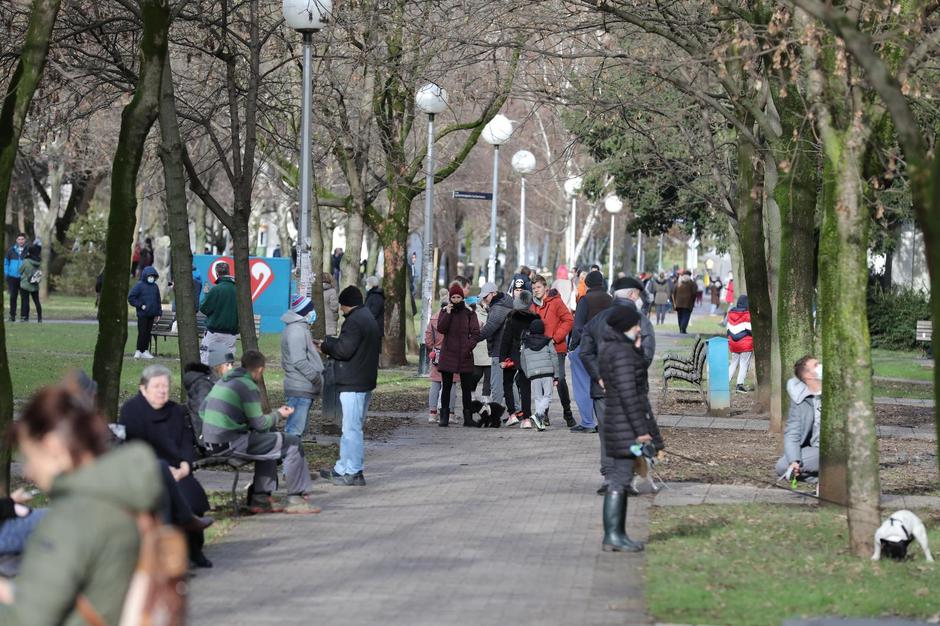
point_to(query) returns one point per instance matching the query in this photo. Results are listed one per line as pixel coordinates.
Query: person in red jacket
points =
(740, 341)
(558, 322)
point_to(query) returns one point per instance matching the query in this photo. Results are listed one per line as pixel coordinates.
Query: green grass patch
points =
(900, 364)
(914, 392)
(62, 307)
(762, 564)
(225, 520)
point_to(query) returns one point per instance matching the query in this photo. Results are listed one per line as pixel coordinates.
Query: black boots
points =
(468, 419)
(615, 519)
(569, 418)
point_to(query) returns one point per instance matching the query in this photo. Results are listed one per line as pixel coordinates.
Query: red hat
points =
(455, 289)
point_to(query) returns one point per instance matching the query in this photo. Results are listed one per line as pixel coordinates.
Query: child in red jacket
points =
(740, 341)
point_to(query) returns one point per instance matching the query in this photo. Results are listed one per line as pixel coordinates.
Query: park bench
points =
(692, 373)
(166, 327)
(686, 363)
(232, 462)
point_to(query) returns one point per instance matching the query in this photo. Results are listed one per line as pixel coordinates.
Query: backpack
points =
(36, 277)
(156, 595)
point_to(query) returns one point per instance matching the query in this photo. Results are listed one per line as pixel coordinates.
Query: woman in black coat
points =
(510, 359)
(628, 418)
(152, 417)
(461, 330)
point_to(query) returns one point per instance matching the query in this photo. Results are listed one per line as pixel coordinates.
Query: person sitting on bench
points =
(801, 437)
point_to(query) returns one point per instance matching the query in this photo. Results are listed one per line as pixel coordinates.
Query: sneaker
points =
(432, 418)
(546, 421)
(569, 419)
(526, 423)
(328, 473)
(538, 421)
(512, 420)
(137, 354)
(146, 354)
(350, 480)
(300, 505)
(583, 429)
(742, 389)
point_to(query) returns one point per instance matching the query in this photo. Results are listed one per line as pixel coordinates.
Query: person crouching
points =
(628, 419)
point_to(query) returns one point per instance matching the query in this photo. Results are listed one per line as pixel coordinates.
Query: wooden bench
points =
(166, 328)
(693, 373)
(686, 363)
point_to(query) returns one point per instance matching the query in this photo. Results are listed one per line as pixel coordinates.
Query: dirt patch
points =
(900, 415)
(734, 457)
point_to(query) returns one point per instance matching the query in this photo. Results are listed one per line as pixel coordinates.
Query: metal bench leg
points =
(235, 508)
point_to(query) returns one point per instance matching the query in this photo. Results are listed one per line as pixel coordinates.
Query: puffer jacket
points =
(88, 543)
(12, 260)
(802, 420)
(510, 345)
(558, 319)
(628, 413)
(538, 357)
(145, 297)
(592, 338)
(303, 368)
(593, 302)
(740, 338)
(461, 332)
(492, 331)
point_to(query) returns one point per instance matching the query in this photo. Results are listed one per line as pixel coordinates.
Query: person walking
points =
(662, 294)
(145, 297)
(300, 360)
(550, 306)
(336, 262)
(740, 342)
(221, 310)
(433, 340)
(595, 300)
(498, 307)
(628, 419)
(11, 271)
(684, 300)
(715, 289)
(461, 331)
(375, 302)
(146, 256)
(510, 358)
(355, 355)
(30, 277)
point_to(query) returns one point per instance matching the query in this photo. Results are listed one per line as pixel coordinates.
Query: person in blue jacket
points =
(11, 270)
(145, 297)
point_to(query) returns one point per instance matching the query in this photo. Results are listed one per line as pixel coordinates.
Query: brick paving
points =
(455, 526)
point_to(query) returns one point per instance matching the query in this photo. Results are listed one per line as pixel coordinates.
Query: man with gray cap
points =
(498, 306)
(221, 310)
(627, 293)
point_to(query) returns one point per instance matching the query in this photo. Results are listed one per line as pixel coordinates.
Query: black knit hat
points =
(594, 279)
(350, 296)
(537, 327)
(627, 282)
(623, 318)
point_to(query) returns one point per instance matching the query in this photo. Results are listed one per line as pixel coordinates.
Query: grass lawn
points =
(761, 564)
(62, 307)
(897, 364)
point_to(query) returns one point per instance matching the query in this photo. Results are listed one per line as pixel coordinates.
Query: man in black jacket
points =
(627, 293)
(355, 355)
(498, 306)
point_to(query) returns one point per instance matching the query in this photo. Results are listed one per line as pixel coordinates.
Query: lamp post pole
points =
(427, 294)
(492, 268)
(610, 264)
(639, 251)
(524, 163)
(305, 166)
(522, 224)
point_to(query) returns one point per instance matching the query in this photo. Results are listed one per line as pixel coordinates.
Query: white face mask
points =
(818, 371)
(151, 280)
(630, 335)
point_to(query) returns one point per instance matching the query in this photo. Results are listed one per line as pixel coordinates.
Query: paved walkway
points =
(455, 526)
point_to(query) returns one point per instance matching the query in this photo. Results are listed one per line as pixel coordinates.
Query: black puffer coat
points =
(628, 413)
(517, 323)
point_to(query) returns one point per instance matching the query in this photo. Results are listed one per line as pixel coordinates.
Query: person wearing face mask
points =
(801, 437)
(628, 418)
(303, 368)
(145, 297)
(461, 331)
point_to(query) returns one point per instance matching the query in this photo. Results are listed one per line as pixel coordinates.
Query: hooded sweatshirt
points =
(88, 542)
(740, 338)
(233, 408)
(802, 420)
(303, 368)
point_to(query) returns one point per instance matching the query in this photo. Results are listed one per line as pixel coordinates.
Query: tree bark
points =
(136, 120)
(349, 266)
(171, 147)
(16, 103)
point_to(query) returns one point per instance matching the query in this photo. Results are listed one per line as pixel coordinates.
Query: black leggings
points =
(24, 304)
(511, 374)
(144, 328)
(466, 393)
(480, 373)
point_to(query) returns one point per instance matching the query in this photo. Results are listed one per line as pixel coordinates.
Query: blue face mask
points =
(312, 317)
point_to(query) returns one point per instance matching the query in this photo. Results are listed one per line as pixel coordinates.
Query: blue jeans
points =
(581, 386)
(297, 422)
(15, 532)
(351, 449)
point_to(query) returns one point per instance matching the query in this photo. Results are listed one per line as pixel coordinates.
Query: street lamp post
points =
(524, 163)
(572, 188)
(430, 99)
(614, 205)
(639, 251)
(496, 133)
(306, 17)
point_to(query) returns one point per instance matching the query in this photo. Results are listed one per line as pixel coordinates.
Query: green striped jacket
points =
(233, 408)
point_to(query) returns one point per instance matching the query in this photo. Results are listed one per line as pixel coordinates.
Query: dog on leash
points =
(896, 534)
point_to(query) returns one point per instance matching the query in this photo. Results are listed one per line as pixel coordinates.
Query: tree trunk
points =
(136, 121)
(19, 95)
(349, 266)
(170, 151)
(375, 248)
(240, 254)
(199, 217)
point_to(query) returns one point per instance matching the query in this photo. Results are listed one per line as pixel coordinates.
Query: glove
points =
(508, 363)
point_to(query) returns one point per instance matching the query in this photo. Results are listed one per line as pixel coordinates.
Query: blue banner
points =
(270, 285)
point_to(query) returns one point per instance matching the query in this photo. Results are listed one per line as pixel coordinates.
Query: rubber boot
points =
(615, 519)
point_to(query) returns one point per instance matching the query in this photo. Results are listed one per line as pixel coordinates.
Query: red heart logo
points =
(261, 274)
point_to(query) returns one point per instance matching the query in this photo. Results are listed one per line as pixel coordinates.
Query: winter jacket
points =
(593, 335)
(481, 355)
(461, 331)
(198, 382)
(558, 319)
(538, 357)
(355, 352)
(221, 307)
(740, 338)
(145, 297)
(433, 340)
(802, 420)
(593, 302)
(331, 313)
(517, 323)
(88, 543)
(662, 292)
(684, 295)
(729, 292)
(12, 260)
(715, 288)
(28, 267)
(233, 408)
(303, 369)
(628, 413)
(565, 290)
(375, 302)
(492, 331)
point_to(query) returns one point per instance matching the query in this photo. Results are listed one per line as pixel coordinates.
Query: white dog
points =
(897, 533)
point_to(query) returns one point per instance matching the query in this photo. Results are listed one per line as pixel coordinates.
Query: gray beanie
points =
(523, 301)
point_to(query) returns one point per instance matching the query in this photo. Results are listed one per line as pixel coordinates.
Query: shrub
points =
(893, 316)
(85, 259)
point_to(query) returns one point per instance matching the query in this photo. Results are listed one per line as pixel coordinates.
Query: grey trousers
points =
(496, 382)
(541, 394)
(606, 461)
(266, 449)
(810, 456)
(621, 474)
(216, 341)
